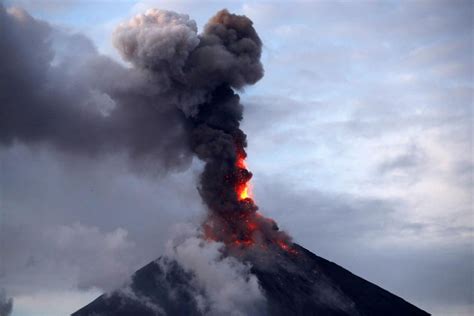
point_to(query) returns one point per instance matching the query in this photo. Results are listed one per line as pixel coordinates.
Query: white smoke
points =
(130, 294)
(229, 286)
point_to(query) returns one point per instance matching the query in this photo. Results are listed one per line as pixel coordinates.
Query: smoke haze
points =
(56, 90)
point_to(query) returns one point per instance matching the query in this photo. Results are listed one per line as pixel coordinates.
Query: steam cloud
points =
(223, 285)
(176, 101)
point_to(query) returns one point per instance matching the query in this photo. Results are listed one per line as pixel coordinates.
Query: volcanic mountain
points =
(293, 283)
(203, 74)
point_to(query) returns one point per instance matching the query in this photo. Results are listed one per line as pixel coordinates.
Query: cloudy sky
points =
(360, 141)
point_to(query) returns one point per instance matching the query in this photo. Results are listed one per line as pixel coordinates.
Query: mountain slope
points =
(293, 284)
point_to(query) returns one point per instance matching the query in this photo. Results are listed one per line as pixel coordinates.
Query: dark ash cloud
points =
(6, 304)
(57, 90)
(202, 72)
(177, 99)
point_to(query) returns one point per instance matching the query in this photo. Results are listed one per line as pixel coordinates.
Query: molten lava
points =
(236, 221)
(252, 224)
(242, 189)
(244, 193)
(240, 163)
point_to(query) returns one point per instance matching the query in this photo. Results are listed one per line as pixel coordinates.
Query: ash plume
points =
(203, 71)
(57, 90)
(178, 100)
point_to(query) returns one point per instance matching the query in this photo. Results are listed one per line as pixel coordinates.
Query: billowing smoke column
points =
(207, 67)
(177, 100)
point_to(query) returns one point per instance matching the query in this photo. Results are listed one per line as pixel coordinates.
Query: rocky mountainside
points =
(294, 283)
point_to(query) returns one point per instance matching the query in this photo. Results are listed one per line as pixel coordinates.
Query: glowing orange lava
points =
(248, 228)
(283, 245)
(244, 193)
(243, 190)
(241, 162)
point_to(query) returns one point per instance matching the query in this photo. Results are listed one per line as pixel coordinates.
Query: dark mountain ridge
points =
(299, 283)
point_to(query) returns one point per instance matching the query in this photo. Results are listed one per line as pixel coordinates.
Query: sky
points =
(360, 140)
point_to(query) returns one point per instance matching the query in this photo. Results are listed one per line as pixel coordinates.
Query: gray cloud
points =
(157, 39)
(411, 159)
(57, 90)
(6, 304)
(59, 213)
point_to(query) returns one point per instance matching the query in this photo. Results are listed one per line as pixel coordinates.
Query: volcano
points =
(294, 283)
(204, 73)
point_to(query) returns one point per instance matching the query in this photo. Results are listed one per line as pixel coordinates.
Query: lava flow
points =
(242, 189)
(251, 228)
(245, 227)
